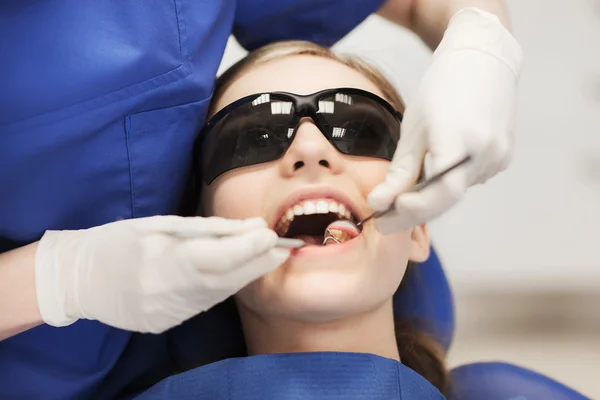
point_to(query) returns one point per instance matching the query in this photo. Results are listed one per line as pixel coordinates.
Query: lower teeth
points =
(337, 232)
(334, 236)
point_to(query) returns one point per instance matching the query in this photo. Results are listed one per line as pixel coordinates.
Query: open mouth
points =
(318, 222)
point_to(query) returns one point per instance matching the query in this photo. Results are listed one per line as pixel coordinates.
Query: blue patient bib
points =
(299, 376)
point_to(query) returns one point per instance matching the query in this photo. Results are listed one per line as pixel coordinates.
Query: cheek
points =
(386, 267)
(367, 173)
(236, 197)
(390, 253)
(391, 256)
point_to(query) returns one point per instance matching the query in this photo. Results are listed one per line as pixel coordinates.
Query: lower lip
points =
(324, 251)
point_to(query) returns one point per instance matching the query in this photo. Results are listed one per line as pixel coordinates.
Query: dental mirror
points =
(341, 230)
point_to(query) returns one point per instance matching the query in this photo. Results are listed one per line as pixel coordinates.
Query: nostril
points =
(324, 163)
(298, 165)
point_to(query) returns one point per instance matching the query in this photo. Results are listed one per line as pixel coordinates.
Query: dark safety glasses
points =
(260, 128)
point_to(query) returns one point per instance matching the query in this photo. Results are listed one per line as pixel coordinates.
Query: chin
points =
(325, 300)
(325, 311)
(317, 289)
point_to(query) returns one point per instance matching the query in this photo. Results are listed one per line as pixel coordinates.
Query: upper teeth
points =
(313, 206)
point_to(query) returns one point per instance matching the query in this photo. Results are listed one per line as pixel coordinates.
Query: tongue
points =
(308, 239)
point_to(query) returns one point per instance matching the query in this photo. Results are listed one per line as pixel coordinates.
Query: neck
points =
(371, 332)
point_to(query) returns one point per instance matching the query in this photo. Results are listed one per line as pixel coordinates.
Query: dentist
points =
(100, 103)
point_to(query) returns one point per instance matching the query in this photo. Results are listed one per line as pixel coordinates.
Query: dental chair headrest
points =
(502, 381)
(426, 299)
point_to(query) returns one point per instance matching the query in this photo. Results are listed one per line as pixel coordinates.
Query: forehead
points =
(300, 74)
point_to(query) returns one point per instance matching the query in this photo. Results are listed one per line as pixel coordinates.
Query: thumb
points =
(222, 255)
(259, 266)
(406, 163)
(196, 226)
(402, 173)
(415, 208)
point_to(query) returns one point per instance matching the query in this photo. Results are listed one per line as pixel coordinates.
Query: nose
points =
(310, 154)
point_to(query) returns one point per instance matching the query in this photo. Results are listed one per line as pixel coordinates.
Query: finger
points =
(222, 226)
(497, 158)
(404, 167)
(224, 254)
(402, 174)
(190, 227)
(413, 135)
(412, 209)
(415, 208)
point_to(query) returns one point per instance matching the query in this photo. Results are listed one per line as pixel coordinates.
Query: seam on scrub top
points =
(128, 147)
(183, 70)
(399, 380)
(179, 18)
(228, 382)
(184, 49)
(84, 107)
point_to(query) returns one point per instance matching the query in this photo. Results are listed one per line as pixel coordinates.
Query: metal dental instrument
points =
(282, 243)
(291, 243)
(329, 236)
(418, 187)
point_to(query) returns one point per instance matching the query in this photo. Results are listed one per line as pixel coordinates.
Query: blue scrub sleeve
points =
(259, 22)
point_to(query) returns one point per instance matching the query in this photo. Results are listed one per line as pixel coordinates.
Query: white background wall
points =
(536, 226)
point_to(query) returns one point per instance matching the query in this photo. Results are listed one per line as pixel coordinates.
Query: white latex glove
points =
(466, 103)
(140, 275)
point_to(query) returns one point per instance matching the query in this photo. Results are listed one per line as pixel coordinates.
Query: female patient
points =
(301, 160)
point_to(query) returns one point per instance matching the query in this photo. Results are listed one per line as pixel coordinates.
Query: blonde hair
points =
(281, 50)
(417, 350)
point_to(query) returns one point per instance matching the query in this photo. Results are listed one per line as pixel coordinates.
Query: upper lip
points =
(317, 193)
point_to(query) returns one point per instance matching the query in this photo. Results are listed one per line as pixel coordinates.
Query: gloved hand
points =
(143, 275)
(465, 104)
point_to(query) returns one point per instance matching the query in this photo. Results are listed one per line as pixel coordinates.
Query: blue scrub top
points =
(100, 102)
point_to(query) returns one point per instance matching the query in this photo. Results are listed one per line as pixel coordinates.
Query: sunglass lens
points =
(253, 133)
(359, 125)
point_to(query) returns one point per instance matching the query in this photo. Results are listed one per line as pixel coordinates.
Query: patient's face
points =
(316, 283)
